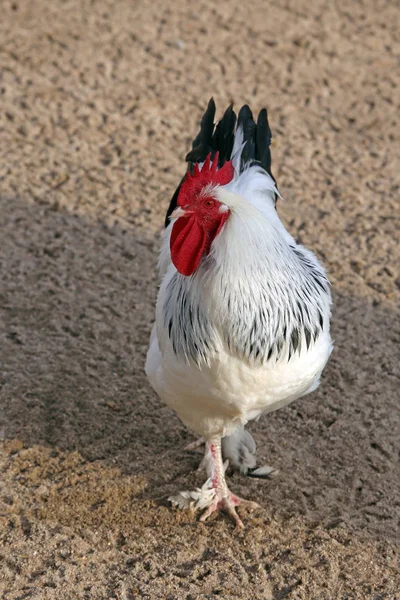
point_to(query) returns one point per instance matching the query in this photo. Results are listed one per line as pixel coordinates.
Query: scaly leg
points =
(223, 498)
(239, 449)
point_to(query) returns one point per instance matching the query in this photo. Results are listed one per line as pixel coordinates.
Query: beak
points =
(179, 212)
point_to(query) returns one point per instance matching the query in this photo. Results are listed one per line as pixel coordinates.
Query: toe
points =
(194, 445)
(234, 516)
(249, 504)
(227, 506)
(207, 513)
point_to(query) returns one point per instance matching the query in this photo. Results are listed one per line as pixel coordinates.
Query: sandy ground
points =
(99, 101)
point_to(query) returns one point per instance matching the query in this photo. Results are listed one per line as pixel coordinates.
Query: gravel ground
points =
(99, 102)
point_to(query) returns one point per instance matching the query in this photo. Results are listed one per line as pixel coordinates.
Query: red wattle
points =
(187, 244)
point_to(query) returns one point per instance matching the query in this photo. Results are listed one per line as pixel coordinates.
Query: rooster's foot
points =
(212, 500)
(215, 494)
(228, 504)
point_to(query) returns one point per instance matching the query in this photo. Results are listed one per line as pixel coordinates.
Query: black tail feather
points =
(174, 203)
(257, 138)
(263, 141)
(202, 144)
(246, 121)
(224, 136)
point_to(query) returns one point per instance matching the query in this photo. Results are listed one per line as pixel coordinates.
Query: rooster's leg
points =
(223, 498)
(194, 445)
(239, 449)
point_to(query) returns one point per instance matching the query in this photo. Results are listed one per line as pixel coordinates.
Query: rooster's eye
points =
(209, 203)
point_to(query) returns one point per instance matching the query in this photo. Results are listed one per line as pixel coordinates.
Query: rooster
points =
(242, 315)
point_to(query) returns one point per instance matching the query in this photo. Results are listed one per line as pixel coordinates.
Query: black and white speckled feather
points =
(190, 330)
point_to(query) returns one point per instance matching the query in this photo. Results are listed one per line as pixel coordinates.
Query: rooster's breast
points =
(214, 398)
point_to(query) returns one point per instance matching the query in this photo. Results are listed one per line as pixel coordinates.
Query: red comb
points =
(209, 174)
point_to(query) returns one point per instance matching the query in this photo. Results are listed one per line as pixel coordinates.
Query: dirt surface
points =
(99, 101)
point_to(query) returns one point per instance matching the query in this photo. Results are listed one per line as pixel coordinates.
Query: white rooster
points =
(242, 317)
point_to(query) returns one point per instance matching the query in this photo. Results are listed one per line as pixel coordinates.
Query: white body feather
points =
(254, 263)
